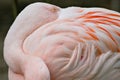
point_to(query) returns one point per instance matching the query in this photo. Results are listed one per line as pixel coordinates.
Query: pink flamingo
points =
(47, 42)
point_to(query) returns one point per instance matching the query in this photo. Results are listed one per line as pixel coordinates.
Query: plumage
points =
(71, 43)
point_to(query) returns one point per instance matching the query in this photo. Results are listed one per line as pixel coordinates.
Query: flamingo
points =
(47, 42)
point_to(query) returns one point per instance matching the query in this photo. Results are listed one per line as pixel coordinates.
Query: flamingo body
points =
(65, 43)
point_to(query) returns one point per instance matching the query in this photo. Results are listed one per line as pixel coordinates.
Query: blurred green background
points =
(10, 8)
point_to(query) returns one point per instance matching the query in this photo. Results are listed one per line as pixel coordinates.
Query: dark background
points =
(10, 8)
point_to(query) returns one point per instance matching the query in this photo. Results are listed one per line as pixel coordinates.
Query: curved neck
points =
(31, 18)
